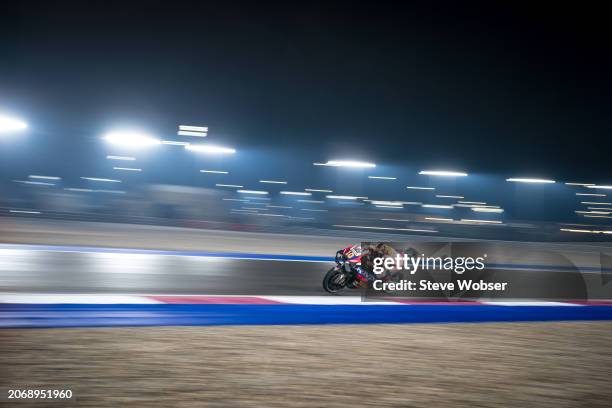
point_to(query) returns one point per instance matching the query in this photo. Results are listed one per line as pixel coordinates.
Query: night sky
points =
(489, 89)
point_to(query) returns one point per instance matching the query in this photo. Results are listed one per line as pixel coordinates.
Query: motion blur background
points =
(157, 156)
(493, 92)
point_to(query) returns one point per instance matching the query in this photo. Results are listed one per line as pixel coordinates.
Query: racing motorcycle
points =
(344, 274)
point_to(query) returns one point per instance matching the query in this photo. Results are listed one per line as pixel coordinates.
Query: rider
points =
(352, 256)
(362, 261)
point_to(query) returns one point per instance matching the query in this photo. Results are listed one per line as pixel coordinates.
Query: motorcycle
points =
(344, 276)
(341, 276)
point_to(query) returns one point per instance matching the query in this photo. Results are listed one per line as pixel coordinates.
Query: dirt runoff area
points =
(452, 365)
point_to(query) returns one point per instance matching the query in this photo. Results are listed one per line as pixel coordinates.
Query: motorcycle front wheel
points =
(334, 281)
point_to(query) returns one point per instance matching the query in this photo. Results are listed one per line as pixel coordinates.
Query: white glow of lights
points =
(600, 208)
(601, 187)
(597, 216)
(312, 209)
(420, 188)
(278, 206)
(235, 199)
(295, 193)
(591, 194)
(272, 215)
(110, 191)
(394, 219)
(24, 212)
(174, 143)
(130, 139)
(101, 179)
(530, 180)
(311, 201)
(205, 148)
(448, 196)
(475, 206)
(489, 210)
(342, 197)
(252, 192)
(443, 173)
(388, 206)
(579, 184)
(214, 171)
(11, 124)
(127, 168)
(273, 181)
(229, 185)
(439, 219)
(594, 203)
(585, 231)
(346, 163)
(191, 133)
(384, 228)
(382, 178)
(481, 221)
(593, 212)
(259, 198)
(255, 209)
(446, 207)
(130, 158)
(473, 202)
(194, 128)
(34, 176)
(36, 183)
(314, 190)
(382, 202)
(80, 190)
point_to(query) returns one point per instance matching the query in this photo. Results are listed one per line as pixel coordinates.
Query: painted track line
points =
(356, 300)
(37, 310)
(206, 254)
(105, 315)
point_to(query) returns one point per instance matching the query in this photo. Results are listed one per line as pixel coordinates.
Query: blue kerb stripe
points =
(73, 315)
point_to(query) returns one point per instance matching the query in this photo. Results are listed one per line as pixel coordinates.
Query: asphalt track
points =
(83, 270)
(99, 270)
(71, 269)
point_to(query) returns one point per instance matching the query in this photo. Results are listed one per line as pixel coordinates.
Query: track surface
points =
(116, 272)
(46, 269)
(79, 270)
